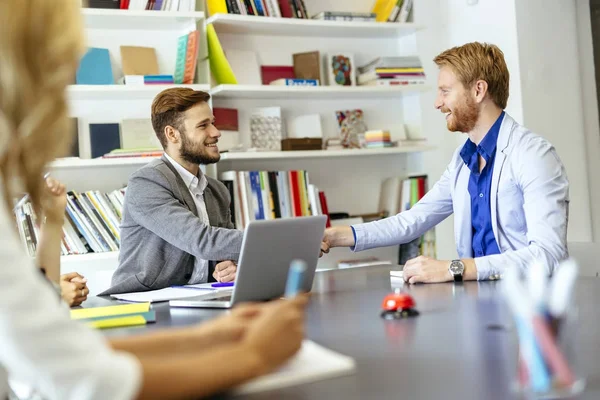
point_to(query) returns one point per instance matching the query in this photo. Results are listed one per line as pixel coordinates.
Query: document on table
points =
(397, 274)
(313, 362)
(171, 293)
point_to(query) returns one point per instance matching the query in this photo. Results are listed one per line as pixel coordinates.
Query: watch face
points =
(456, 267)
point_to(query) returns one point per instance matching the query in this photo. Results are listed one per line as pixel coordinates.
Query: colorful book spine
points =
(191, 57)
(182, 44)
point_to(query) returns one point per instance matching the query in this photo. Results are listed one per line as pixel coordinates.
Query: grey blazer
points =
(161, 233)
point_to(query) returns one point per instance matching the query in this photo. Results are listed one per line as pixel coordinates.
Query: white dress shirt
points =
(41, 346)
(529, 203)
(196, 186)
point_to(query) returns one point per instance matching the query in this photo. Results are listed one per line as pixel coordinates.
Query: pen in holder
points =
(547, 366)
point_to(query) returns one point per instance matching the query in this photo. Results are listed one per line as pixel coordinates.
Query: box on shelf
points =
(292, 144)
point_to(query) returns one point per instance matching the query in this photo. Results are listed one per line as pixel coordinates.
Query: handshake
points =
(339, 236)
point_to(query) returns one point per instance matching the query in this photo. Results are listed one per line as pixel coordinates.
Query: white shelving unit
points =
(250, 25)
(120, 92)
(106, 19)
(322, 154)
(351, 178)
(313, 92)
(75, 162)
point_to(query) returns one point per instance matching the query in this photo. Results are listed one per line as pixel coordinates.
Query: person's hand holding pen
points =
(277, 333)
(225, 271)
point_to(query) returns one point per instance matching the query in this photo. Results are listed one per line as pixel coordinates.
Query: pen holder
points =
(547, 364)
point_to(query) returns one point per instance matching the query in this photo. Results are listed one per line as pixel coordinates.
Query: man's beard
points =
(464, 117)
(189, 153)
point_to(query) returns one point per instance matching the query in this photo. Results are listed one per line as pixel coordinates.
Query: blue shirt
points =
(480, 184)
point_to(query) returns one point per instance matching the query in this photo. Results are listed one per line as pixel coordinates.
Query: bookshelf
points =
(76, 163)
(351, 178)
(251, 25)
(323, 154)
(107, 19)
(313, 92)
(121, 92)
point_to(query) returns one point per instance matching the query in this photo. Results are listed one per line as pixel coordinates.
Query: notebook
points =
(95, 68)
(312, 363)
(108, 311)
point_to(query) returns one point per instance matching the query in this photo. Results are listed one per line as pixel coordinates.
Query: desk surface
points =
(462, 346)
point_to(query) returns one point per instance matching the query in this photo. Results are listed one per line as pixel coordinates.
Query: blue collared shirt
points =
(480, 184)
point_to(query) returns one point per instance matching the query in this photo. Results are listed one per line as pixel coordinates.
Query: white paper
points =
(397, 274)
(172, 293)
(312, 363)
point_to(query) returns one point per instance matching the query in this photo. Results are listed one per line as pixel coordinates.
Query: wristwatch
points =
(457, 268)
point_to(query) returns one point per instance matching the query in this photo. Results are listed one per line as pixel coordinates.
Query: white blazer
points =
(529, 206)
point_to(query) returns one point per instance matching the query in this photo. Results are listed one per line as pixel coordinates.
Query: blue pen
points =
(222, 284)
(191, 288)
(295, 278)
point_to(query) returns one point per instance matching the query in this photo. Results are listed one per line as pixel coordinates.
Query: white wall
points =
(552, 97)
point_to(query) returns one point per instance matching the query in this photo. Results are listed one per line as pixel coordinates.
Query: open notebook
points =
(312, 363)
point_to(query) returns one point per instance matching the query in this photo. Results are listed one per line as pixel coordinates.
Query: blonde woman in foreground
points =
(40, 46)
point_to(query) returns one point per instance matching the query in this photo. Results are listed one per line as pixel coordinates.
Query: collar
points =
(487, 146)
(192, 182)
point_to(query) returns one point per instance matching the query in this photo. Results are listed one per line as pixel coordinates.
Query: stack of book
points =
(345, 16)
(258, 195)
(116, 316)
(91, 224)
(377, 139)
(388, 71)
(157, 5)
(147, 80)
(128, 153)
(263, 8)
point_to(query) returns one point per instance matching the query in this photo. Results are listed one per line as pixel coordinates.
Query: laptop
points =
(268, 248)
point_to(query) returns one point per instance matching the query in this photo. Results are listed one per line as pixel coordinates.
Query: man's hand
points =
(325, 244)
(225, 271)
(426, 270)
(54, 201)
(73, 289)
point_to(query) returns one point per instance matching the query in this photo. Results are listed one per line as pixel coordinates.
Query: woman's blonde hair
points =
(41, 42)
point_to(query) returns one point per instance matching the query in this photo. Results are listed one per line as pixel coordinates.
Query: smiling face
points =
(456, 102)
(198, 136)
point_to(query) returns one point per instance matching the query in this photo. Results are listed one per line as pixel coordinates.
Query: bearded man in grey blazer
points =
(176, 226)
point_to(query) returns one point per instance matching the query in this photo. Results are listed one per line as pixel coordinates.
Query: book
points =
(180, 58)
(95, 68)
(219, 66)
(295, 82)
(307, 65)
(138, 133)
(340, 69)
(138, 60)
(313, 362)
(345, 16)
(107, 311)
(104, 138)
(270, 73)
(191, 57)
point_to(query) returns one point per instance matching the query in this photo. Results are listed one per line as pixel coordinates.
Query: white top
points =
(196, 186)
(39, 343)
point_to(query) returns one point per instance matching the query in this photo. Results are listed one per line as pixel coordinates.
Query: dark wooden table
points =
(462, 346)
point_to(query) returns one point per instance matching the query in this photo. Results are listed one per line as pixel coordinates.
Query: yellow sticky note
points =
(110, 310)
(219, 66)
(117, 322)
